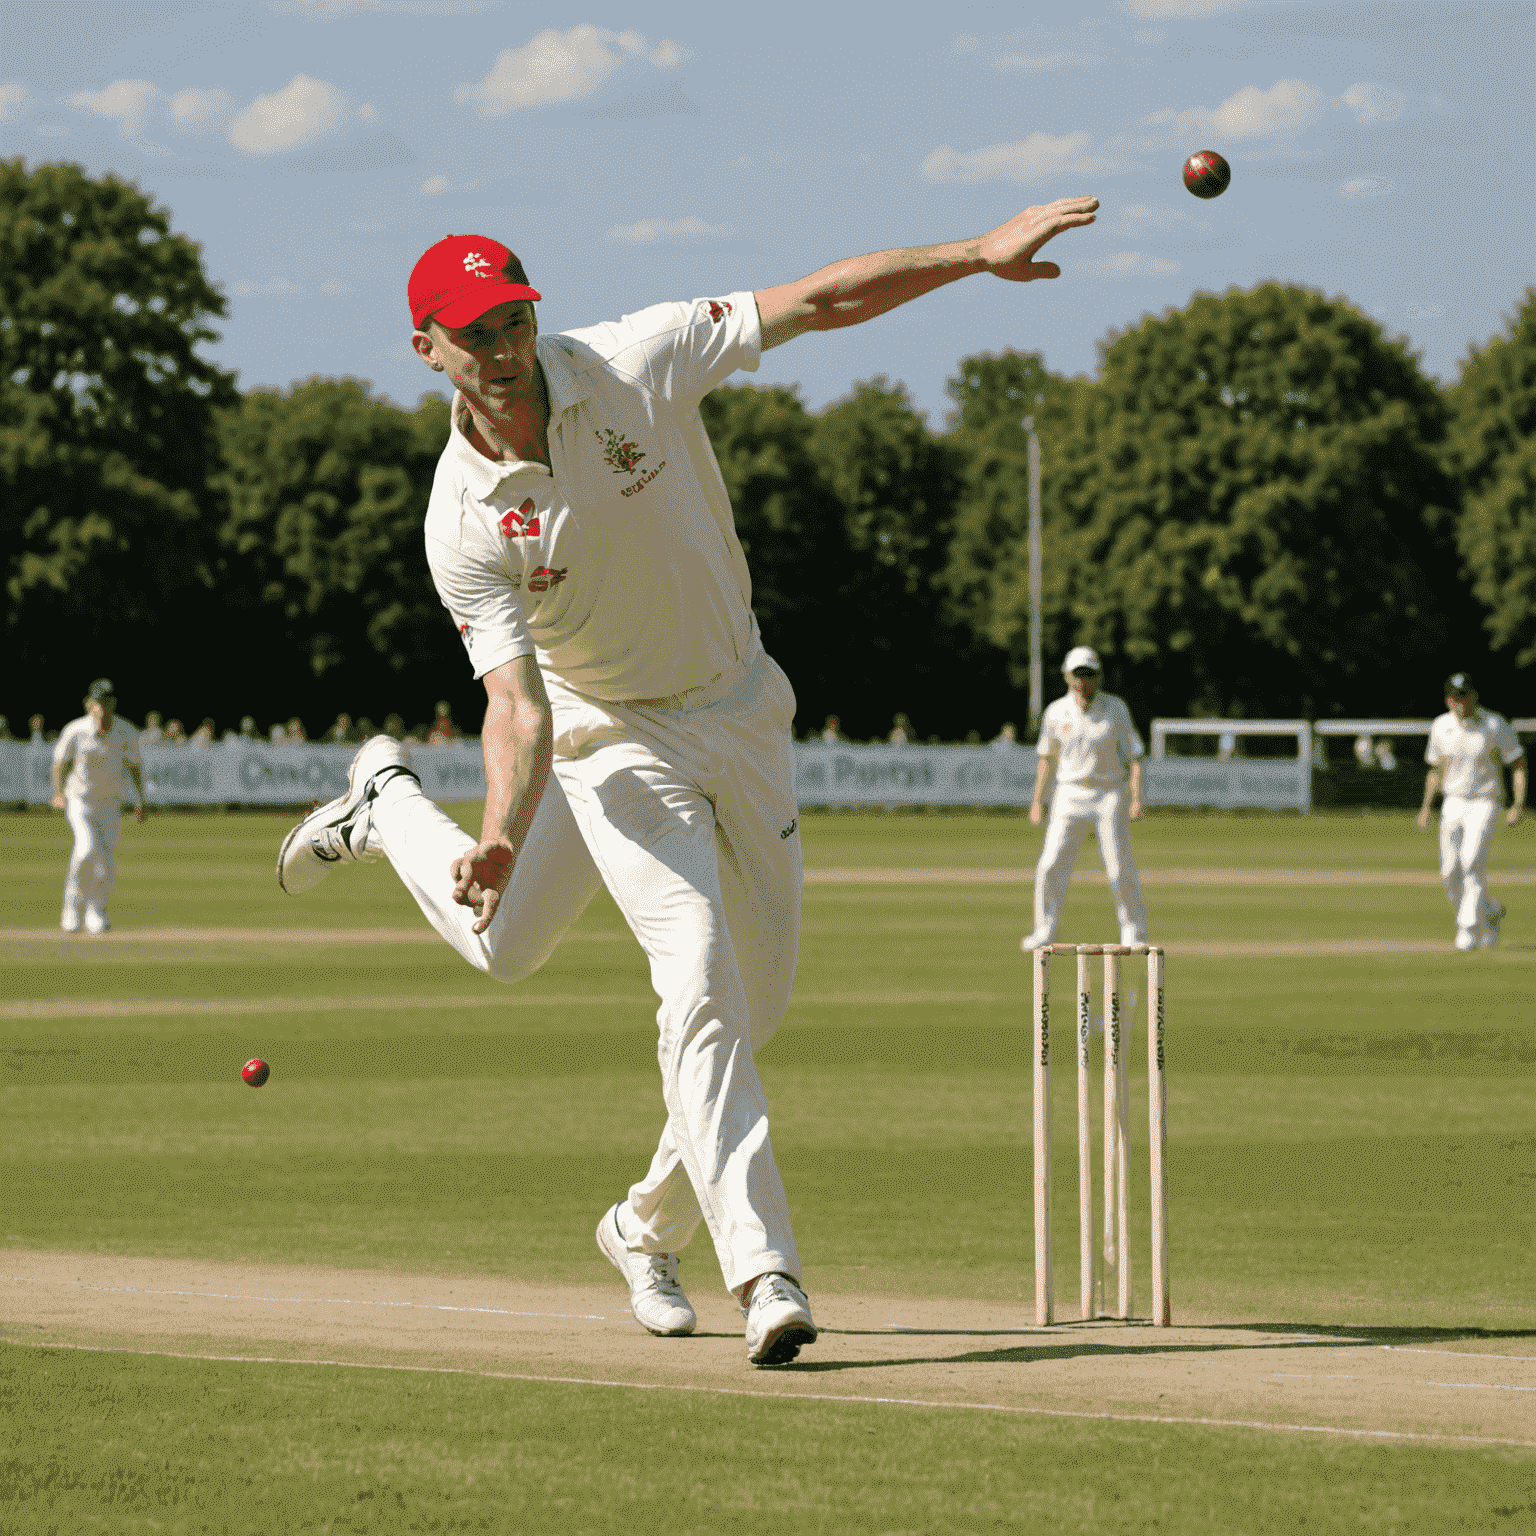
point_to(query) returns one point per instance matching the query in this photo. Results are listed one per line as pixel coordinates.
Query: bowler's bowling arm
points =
(850, 292)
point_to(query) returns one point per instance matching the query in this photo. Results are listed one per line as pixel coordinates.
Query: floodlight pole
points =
(1036, 673)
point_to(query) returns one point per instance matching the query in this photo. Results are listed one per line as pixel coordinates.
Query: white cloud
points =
(965, 43)
(1167, 10)
(649, 231)
(1286, 107)
(1149, 39)
(1031, 159)
(1426, 311)
(304, 110)
(192, 110)
(433, 185)
(1137, 219)
(1031, 64)
(368, 113)
(1368, 186)
(1130, 264)
(273, 288)
(14, 100)
(125, 102)
(334, 287)
(1374, 103)
(559, 66)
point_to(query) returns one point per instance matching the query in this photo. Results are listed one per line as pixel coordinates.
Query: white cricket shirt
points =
(1092, 747)
(618, 566)
(1467, 751)
(97, 772)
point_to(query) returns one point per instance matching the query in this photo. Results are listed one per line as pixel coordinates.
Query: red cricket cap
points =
(461, 277)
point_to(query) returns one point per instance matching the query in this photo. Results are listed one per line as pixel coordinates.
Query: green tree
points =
(327, 487)
(1492, 451)
(1250, 514)
(107, 435)
(987, 570)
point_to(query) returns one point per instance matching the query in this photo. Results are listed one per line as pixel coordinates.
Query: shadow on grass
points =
(1286, 1336)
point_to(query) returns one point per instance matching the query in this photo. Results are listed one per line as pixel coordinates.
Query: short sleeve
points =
(681, 351)
(1507, 744)
(64, 747)
(1131, 747)
(1434, 748)
(484, 603)
(131, 752)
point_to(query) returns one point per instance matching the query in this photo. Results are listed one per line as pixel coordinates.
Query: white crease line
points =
(1455, 1354)
(1487, 1386)
(332, 1301)
(806, 1397)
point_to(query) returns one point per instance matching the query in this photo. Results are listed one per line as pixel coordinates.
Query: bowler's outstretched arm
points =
(850, 292)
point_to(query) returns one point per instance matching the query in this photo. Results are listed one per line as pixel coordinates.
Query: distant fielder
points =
(636, 734)
(99, 754)
(1466, 745)
(1088, 742)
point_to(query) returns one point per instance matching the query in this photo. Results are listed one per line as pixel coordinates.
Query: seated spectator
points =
(248, 731)
(1226, 746)
(341, 730)
(1364, 753)
(364, 730)
(394, 727)
(443, 728)
(35, 726)
(1007, 738)
(152, 731)
(278, 735)
(5, 729)
(901, 731)
(203, 735)
(417, 735)
(295, 732)
(832, 730)
(1386, 758)
(175, 733)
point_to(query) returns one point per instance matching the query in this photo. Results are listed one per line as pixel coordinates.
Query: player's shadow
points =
(1288, 1336)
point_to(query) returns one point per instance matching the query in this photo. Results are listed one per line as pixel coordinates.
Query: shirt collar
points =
(568, 385)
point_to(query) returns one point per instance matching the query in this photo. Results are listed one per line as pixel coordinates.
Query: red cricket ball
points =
(1206, 174)
(256, 1072)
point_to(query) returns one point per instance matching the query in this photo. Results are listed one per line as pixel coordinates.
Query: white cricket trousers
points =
(1075, 809)
(688, 816)
(98, 826)
(1466, 835)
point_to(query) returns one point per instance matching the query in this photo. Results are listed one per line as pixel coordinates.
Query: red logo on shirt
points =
(541, 578)
(621, 456)
(718, 309)
(521, 522)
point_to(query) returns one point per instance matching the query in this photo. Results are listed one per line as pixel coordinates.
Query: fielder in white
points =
(1088, 742)
(636, 734)
(1466, 745)
(99, 754)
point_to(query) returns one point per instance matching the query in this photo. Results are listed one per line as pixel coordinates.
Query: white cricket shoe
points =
(778, 1320)
(1032, 941)
(655, 1295)
(70, 922)
(1497, 912)
(1465, 939)
(337, 832)
(97, 921)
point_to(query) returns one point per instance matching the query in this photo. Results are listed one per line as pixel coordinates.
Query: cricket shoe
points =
(1032, 941)
(655, 1295)
(70, 922)
(778, 1320)
(1497, 912)
(97, 921)
(338, 832)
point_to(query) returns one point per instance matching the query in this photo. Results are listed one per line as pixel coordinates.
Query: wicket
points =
(1092, 1286)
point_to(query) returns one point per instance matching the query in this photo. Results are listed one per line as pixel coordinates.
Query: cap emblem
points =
(476, 264)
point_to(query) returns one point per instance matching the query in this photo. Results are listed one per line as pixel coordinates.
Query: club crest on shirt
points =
(622, 457)
(718, 309)
(521, 521)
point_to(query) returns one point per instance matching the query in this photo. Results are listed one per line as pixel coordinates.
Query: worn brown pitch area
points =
(943, 1353)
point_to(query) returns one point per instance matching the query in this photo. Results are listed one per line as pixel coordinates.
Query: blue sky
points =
(1381, 151)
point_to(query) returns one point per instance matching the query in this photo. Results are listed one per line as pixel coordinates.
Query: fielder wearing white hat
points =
(1466, 744)
(1088, 741)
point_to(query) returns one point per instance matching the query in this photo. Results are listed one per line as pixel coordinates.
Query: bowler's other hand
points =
(1010, 248)
(1137, 810)
(1035, 813)
(480, 876)
(57, 802)
(1421, 821)
(141, 813)
(1515, 815)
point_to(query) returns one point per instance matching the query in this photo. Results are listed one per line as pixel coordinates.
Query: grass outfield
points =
(1351, 1145)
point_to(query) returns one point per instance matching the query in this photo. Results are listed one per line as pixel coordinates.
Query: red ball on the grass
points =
(1206, 174)
(256, 1072)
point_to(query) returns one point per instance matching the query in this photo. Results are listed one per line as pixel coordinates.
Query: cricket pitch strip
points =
(1385, 1385)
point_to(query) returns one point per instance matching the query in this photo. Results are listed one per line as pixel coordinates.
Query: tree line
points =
(1261, 506)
